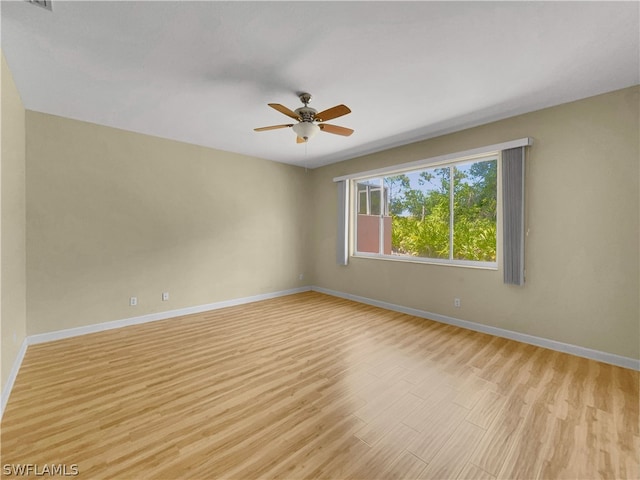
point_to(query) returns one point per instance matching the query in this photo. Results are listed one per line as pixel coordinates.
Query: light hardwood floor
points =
(312, 386)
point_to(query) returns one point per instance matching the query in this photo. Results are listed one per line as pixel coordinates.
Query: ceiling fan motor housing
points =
(306, 114)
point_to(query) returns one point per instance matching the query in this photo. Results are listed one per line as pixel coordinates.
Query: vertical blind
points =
(342, 247)
(513, 215)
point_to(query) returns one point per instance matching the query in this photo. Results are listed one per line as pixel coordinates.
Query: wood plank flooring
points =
(312, 386)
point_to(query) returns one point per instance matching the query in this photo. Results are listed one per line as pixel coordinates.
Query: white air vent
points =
(42, 3)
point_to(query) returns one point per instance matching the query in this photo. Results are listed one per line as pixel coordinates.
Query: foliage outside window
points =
(446, 213)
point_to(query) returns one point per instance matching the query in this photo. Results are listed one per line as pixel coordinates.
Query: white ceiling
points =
(203, 72)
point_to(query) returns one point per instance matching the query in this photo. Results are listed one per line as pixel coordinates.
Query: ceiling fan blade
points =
(299, 140)
(272, 127)
(333, 112)
(285, 110)
(335, 129)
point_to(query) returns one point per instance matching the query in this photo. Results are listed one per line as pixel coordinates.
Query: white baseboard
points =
(8, 386)
(597, 355)
(101, 327)
(153, 317)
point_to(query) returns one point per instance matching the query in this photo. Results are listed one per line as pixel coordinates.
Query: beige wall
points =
(12, 224)
(582, 258)
(113, 214)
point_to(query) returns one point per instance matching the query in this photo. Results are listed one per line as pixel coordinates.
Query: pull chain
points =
(306, 160)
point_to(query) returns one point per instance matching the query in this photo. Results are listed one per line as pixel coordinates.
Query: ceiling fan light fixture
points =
(306, 130)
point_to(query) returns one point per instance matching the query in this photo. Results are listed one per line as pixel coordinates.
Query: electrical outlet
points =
(456, 302)
(165, 296)
(301, 276)
(133, 301)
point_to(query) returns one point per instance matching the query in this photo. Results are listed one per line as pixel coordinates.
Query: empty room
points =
(320, 240)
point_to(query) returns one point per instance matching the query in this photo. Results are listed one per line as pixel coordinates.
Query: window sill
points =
(430, 261)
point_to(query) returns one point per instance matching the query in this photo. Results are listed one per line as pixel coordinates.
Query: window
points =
(445, 213)
(369, 198)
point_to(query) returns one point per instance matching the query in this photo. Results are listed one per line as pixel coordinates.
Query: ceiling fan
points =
(307, 118)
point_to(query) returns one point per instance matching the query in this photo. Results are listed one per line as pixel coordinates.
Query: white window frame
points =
(441, 261)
